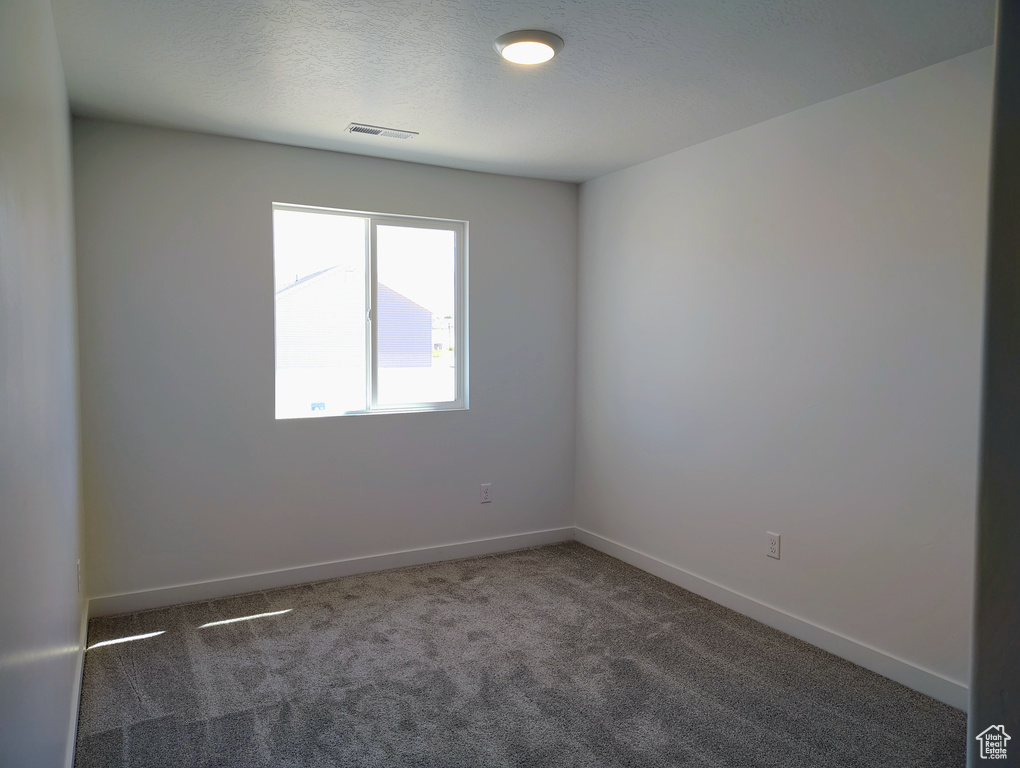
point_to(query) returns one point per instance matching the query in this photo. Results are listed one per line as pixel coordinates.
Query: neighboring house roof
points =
(383, 289)
(385, 292)
(305, 279)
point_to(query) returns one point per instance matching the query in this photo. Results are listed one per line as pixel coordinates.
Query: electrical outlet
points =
(485, 496)
(773, 544)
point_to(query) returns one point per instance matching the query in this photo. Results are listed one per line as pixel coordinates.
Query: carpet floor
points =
(553, 656)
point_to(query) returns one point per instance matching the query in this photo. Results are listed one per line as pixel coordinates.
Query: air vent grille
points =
(375, 130)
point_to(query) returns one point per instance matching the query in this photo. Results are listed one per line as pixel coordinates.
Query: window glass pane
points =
(415, 304)
(321, 366)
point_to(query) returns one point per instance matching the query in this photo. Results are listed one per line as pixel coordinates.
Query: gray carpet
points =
(555, 656)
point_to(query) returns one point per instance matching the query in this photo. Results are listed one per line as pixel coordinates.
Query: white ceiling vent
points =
(375, 130)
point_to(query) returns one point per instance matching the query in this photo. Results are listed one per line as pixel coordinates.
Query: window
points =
(370, 312)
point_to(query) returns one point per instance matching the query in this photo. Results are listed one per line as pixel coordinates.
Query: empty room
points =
(453, 383)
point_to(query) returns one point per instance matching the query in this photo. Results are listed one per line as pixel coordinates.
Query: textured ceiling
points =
(636, 80)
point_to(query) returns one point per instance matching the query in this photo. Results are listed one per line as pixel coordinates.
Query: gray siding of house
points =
(405, 331)
(318, 325)
(320, 322)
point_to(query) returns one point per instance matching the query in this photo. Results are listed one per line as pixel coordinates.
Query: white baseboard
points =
(918, 678)
(924, 680)
(207, 590)
(79, 669)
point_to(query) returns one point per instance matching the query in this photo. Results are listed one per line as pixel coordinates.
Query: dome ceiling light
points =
(528, 46)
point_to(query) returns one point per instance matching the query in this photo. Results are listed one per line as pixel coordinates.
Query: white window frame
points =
(372, 222)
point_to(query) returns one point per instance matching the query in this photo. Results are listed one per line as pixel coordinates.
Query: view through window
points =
(369, 312)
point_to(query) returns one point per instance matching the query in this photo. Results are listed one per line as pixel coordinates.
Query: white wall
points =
(40, 611)
(780, 329)
(188, 477)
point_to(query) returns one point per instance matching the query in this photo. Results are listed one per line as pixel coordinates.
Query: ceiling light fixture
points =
(528, 46)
